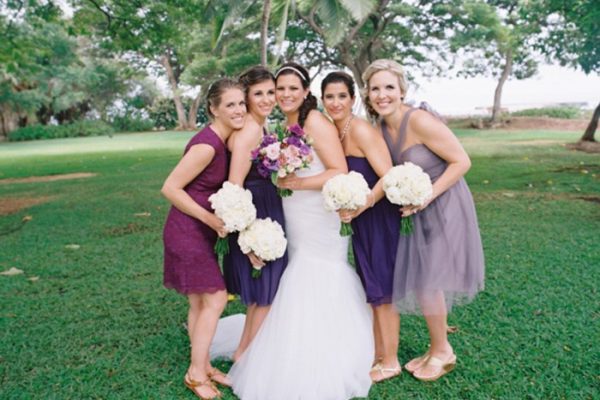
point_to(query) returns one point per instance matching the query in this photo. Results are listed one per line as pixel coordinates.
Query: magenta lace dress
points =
(190, 264)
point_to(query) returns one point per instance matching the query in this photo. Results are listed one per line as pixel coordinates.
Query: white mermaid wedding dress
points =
(316, 342)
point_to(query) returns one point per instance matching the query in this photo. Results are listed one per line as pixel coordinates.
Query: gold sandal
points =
(192, 385)
(416, 363)
(443, 367)
(383, 371)
(215, 372)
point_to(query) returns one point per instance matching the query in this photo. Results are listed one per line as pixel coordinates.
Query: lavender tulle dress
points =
(375, 240)
(443, 255)
(190, 264)
(236, 265)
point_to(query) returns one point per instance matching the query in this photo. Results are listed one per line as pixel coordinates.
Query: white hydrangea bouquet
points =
(407, 184)
(346, 191)
(266, 239)
(233, 204)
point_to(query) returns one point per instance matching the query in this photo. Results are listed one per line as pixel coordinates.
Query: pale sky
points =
(552, 85)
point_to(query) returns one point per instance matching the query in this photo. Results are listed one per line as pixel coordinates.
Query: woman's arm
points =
(190, 166)
(243, 142)
(329, 149)
(371, 143)
(434, 134)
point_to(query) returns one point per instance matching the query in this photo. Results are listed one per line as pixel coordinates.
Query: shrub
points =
(164, 115)
(129, 123)
(553, 112)
(75, 129)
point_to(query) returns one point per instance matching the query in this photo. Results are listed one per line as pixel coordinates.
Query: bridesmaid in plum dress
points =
(440, 264)
(256, 293)
(191, 230)
(376, 226)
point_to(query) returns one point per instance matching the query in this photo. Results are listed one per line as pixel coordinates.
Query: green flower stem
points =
(222, 246)
(346, 229)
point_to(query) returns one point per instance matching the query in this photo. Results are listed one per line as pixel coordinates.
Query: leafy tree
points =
(412, 33)
(171, 34)
(573, 39)
(497, 37)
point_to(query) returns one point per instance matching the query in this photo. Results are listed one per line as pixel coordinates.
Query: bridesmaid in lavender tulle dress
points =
(256, 293)
(376, 226)
(190, 233)
(441, 263)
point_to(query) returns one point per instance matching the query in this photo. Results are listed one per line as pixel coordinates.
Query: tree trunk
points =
(193, 114)
(588, 135)
(182, 121)
(498, 94)
(264, 31)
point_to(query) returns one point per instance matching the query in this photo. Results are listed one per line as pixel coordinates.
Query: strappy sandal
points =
(416, 363)
(192, 385)
(222, 381)
(386, 373)
(442, 367)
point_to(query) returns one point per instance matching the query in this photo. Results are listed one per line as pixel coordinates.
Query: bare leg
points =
(259, 315)
(254, 319)
(433, 306)
(388, 324)
(205, 310)
(245, 339)
(379, 351)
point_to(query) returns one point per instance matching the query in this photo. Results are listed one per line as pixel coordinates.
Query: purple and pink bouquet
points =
(282, 153)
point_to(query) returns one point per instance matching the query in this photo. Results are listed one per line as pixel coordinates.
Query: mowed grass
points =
(97, 323)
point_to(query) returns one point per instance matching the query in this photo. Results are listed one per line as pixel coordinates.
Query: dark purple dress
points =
(375, 240)
(236, 265)
(443, 256)
(190, 264)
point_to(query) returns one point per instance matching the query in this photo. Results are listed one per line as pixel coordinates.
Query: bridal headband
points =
(289, 68)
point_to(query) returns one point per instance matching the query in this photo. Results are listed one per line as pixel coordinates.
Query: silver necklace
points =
(346, 128)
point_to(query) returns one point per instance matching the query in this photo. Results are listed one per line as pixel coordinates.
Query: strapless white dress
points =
(316, 342)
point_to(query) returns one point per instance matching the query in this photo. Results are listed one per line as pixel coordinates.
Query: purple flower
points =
(296, 130)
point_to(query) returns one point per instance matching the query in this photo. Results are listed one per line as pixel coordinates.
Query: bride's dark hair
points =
(310, 101)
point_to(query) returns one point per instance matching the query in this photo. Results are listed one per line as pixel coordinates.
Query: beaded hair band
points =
(289, 68)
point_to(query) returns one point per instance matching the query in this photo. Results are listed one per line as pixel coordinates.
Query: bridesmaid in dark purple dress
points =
(376, 226)
(191, 229)
(256, 293)
(440, 264)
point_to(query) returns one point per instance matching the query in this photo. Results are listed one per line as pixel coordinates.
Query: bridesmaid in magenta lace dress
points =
(256, 293)
(440, 264)
(376, 226)
(191, 229)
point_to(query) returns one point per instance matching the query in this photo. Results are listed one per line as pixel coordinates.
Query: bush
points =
(164, 115)
(129, 123)
(553, 112)
(75, 129)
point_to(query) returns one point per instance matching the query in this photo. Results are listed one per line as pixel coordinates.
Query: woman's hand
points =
(348, 215)
(255, 260)
(216, 224)
(291, 182)
(412, 209)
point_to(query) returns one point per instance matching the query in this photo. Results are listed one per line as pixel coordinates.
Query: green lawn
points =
(97, 324)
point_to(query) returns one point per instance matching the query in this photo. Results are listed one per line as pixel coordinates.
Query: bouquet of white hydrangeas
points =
(407, 184)
(348, 192)
(233, 204)
(265, 238)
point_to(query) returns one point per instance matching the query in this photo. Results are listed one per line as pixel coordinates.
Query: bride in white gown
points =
(316, 342)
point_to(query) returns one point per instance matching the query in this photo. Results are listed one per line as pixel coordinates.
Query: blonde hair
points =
(382, 65)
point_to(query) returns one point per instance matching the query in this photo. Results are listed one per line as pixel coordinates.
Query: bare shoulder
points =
(363, 131)
(249, 135)
(316, 121)
(425, 124)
